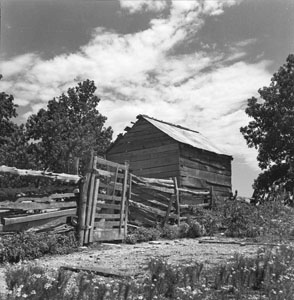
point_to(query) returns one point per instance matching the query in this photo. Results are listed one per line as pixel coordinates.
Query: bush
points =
(195, 229)
(241, 219)
(143, 234)
(28, 246)
(170, 232)
(209, 219)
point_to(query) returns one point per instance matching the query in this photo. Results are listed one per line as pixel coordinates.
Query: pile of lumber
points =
(39, 209)
(37, 213)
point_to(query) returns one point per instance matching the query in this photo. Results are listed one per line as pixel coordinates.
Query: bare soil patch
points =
(132, 259)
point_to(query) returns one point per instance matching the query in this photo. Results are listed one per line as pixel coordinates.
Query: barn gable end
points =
(162, 150)
(150, 152)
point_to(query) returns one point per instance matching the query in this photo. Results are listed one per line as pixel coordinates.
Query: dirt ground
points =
(132, 259)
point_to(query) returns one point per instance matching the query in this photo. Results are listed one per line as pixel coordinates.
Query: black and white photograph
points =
(147, 149)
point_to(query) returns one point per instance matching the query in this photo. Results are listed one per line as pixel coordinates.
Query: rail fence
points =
(99, 205)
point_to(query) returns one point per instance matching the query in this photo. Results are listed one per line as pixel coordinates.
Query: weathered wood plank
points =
(55, 176)
(118, 186)
(93, 211)
(157, 170)
(37, 205)
(134, 157)
(108, 197)
(148, 201)
(106, 216)
(35, 225)
(154, 187)
(193, 192)
(141, 216)
(89, 206)
(107, 234)
(60, 213)
(107, 224)
(155, 162)
(147, 193)
(110, 163)
(160, 182)
(192, 182)
(215, 183)
(213, 177)
(141, 153)
(105, 272)
(206, 157)
(197, 164)
(122, 147)
(124, 195)
(107, 205)
(152, 210)
(82, 207)
(161, 175)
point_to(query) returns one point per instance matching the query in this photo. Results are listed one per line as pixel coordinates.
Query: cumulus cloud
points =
(140, 5)
(143, 72)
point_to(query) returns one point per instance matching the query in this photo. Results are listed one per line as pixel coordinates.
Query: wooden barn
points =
(159, 149)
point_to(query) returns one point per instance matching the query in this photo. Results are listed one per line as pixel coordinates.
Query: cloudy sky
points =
(189, 62)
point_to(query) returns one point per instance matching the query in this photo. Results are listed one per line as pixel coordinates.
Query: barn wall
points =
(203, 169)
(150, 152)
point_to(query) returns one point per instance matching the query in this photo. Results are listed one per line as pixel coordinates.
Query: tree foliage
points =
(71, 126)
(7, 112)
(271, 130)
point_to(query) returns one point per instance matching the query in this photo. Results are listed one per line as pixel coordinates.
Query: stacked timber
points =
(39, 209)
(37, 213)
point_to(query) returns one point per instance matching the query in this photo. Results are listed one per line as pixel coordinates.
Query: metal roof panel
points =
(185, 135)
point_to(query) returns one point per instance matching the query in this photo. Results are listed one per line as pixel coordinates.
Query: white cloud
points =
(139, 5)
(142, 73)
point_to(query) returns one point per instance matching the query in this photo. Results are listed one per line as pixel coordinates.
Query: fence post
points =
(127, 205)
(177, 195)
(124, 192)
(171, 200)
(82, 206)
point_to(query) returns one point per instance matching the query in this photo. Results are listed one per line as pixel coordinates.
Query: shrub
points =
(27, 246)
(183, 230)
(170, 232)
(195, 229)
(143, 234)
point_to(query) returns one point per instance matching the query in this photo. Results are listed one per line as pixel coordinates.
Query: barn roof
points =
(184, 135)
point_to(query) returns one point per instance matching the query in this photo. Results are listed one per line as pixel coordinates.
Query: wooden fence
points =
(160, 201)
(39, 209)
(104, 201)
(103, 210)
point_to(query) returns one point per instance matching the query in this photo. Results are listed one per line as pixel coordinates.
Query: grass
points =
(268, 275)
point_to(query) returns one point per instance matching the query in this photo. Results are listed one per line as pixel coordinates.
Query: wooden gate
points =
(103, 213)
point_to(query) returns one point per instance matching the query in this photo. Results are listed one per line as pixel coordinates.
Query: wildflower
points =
(47, 286)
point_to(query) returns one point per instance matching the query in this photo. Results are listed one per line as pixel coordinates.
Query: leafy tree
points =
(71, 126)
(7, 112)
(271, 130)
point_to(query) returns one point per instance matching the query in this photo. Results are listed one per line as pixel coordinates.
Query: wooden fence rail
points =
(160, 201)
(38, 209)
